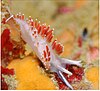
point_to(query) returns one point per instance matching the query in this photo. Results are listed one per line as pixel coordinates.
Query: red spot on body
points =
(34, 32)
(48, 53)
(47, 49)
(49, 59)
(44, 54)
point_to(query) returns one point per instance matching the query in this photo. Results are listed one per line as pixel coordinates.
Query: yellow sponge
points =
(92, 75)
(29, 75)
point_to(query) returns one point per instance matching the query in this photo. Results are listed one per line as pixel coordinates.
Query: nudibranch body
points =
(39, 37)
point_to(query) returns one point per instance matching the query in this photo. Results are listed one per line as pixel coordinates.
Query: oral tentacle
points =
(65, 80)
(68, 61)
(64, 70)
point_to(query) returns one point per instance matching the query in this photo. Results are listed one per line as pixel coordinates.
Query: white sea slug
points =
(39, 37)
